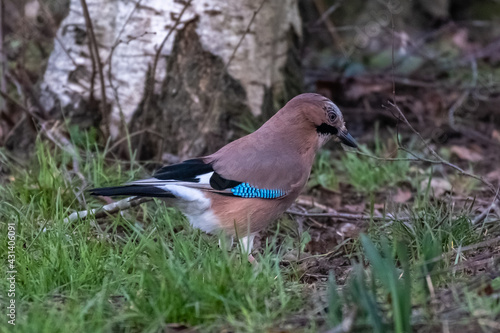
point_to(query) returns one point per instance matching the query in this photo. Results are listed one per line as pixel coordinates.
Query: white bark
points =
(141, 29)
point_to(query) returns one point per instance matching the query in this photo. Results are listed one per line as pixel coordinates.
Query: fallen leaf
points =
(402, 196)
(467, 154)
(439, 186)
(348, 230)
(495, 135)
(493, 176)
(354, 208)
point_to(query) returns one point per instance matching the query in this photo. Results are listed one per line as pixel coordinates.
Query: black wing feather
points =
(219, 183)
(185, 171)
(132, 190)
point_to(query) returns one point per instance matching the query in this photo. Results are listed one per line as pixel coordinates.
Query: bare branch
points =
(106, 210)
(434, 153)
(330, 212)
(211, 106)
(440, 160)
(346, 216)
(158, 52)
(96, 60)
(492, 206)
(151, 81)
(325, 12)
(117, 42)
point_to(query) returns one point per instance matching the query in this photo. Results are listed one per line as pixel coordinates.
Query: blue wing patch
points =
(246, 190)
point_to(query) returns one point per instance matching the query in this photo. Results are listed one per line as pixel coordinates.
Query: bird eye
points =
(332, 116)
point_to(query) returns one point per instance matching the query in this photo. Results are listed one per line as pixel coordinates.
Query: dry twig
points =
(325, 13)
(330, 212)
(346, 216)
(484, 214)
(96, 61)
(151, 81)
(211, 106)
(439, 160)
(106, 210)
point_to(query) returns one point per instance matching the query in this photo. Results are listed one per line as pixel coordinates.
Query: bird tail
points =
(132, 190)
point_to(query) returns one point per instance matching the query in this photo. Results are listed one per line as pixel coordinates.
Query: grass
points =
(412, 263)
(323, 172)
(137, 272)
(367, 175)
(147, 270)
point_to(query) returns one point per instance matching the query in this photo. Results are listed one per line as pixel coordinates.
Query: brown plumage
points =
(278, 156)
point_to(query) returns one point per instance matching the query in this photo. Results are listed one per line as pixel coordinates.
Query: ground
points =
(371, 244)
(400, 235)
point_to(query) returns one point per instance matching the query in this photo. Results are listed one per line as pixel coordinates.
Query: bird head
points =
(326, 117)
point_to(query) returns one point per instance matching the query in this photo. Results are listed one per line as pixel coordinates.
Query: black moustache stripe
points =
(326, 129)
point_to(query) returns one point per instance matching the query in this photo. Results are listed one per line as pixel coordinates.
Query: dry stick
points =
(158, 52)
(405, 120)
(451, 112)
(22, 81)
(117, 39)
(391, 159)
(462, 98)
(333, 213)
(324, 16)
(55, 136)
(204, 123)
(484, 214)
(152, 76)
(321, 8)
(35, 118)
(118, 142)
(48, 16)
(433, 152)
(110, 75)
(442, 161)
(347, 216)
(463, 265)
(96, 60)
(459, 102)
(20, 106)
(106, 210)
(64, 144)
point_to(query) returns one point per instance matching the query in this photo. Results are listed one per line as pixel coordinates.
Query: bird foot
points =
(252, 260)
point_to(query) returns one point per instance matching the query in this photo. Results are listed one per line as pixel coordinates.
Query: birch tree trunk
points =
(179, 76)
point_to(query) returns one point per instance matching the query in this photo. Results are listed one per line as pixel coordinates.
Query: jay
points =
(251, 181)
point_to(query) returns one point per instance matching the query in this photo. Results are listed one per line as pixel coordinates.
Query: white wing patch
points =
(205, 178)
(196, 206)
(190, 199)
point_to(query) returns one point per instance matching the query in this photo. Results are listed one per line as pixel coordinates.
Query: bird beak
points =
(347, 139)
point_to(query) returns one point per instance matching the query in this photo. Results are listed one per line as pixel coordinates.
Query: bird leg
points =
(227, 244)
(246, 245)
(252, 260)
